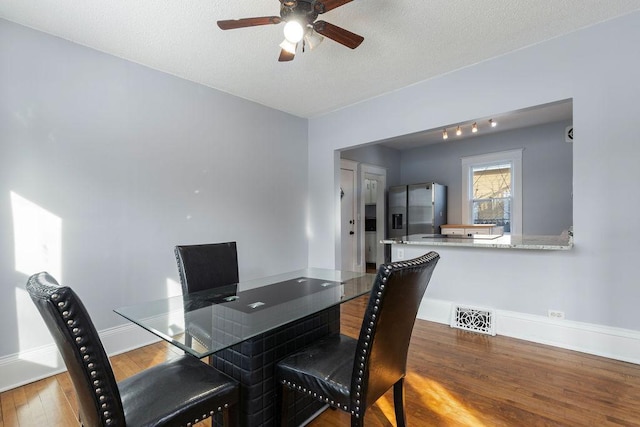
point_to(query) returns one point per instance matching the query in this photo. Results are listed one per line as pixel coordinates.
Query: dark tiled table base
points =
(252, 363)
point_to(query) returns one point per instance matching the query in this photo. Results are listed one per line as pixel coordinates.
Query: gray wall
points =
(593, 283)
(546, 173)
(377, 155)
(133, 161)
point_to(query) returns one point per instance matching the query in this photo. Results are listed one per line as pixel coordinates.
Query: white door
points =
(348, 239)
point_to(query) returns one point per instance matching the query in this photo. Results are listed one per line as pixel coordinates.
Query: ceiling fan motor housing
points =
(305, 11)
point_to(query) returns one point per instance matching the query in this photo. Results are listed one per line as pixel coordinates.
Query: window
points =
(492, 190)
(491, 195)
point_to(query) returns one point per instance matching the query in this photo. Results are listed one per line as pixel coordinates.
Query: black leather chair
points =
(351, 374)
(207, 266)
(203, 267)
(180, 391)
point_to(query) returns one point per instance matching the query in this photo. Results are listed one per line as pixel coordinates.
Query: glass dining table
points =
(247, 327)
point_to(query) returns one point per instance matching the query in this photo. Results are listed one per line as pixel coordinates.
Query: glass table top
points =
(205, 322)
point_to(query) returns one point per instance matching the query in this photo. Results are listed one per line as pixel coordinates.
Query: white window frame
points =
(513, 157)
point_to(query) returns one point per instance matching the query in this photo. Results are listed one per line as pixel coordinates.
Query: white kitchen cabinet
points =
(370, 191)
(370, 246)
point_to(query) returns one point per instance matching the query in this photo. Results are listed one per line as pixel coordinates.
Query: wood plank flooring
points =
(455, 378)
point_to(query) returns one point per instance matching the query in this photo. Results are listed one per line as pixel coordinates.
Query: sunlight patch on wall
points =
(173, 288)
(176, 318)
(32, 332)
(309, 220)
(37, 238)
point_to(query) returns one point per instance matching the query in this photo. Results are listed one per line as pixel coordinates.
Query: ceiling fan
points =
(301, 25)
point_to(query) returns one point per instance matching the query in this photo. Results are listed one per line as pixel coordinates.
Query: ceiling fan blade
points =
(286, 56)
(323, 6)
(231, 24)
(338, 34)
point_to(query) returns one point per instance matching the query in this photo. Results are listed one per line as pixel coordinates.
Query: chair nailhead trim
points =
(210, 414)
(314, 394)
(83, 350)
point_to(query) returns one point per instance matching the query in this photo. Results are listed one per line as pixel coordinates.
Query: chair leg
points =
(357, 421)
(225, 418)
(398, 402)
(229, 416)
(283, 403)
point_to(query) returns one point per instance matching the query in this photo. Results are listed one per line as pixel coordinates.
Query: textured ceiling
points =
(406, 41)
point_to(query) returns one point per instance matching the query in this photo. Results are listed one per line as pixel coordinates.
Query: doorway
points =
(373, 182)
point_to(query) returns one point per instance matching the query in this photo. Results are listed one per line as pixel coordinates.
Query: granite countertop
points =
(563, 241)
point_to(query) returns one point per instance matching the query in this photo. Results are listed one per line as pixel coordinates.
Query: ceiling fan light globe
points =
(312, 39)
(293, 31)
(288, 46)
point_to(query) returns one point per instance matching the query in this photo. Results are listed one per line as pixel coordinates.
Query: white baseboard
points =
(35, 364)
(614, 343)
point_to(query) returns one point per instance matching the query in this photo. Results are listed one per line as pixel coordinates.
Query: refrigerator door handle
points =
(396, 221)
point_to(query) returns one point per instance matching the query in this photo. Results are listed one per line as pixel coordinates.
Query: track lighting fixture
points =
(474, 128)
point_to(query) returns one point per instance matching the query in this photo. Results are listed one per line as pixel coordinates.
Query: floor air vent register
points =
(473, 319)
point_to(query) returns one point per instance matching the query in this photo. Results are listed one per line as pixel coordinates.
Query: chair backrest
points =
(207, 266)
(383, 344)
(75, 335)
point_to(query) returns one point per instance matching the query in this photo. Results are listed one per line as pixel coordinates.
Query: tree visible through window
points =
(492, 195)
(492, 190)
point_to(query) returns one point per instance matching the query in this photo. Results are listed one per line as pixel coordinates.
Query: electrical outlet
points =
(400, 253)
(556, 314)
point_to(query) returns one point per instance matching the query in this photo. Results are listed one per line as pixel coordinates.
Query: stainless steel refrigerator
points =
(416, 209)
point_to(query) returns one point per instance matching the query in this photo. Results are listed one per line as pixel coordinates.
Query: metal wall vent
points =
(473, 319)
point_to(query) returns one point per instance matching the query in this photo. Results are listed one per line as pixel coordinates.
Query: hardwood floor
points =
(455, 378)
